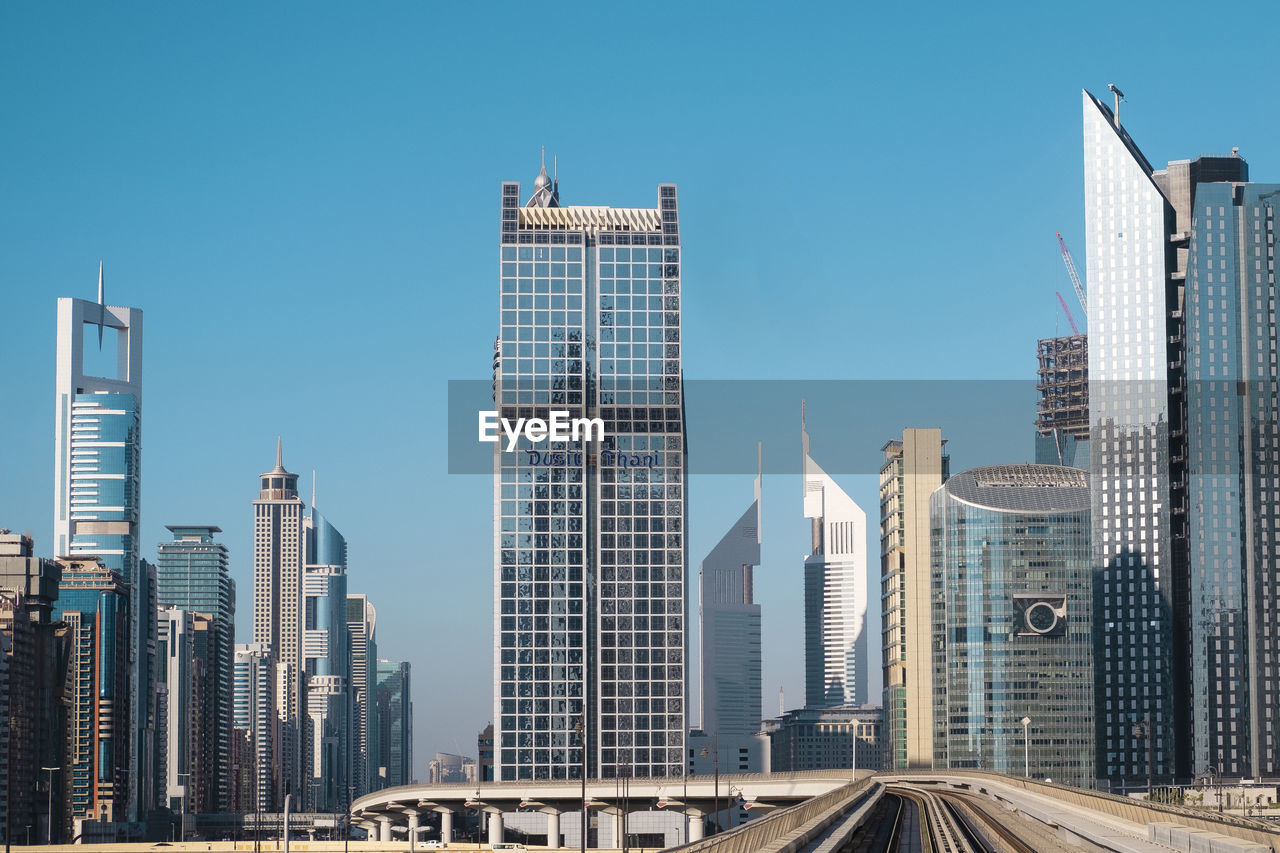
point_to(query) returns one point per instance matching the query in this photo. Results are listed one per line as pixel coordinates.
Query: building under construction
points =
(1062, 422)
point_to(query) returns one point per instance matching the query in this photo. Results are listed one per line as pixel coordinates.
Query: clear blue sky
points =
(303, 200)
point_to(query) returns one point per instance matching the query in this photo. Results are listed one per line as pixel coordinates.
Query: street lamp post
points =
(1026, 747)
(853, 773)
(1141, 729)
(50, 771)
(715, 764)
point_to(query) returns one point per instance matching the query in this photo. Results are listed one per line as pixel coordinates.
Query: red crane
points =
(1067, 311)
(1075, 276)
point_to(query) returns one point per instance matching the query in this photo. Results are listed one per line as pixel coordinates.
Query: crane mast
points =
(1075, 276)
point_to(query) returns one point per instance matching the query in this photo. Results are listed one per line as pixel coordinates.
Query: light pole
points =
(1026, 747)
(684, 800)
(853, 773)
(1144, 728)
(50, 771)
(182, 814)
(715, 764)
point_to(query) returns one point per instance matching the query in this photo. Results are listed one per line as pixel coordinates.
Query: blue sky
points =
(303, 200)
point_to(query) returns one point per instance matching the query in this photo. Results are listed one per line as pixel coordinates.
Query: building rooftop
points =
(1023, 488)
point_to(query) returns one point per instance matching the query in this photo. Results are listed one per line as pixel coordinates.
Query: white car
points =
(433, 844)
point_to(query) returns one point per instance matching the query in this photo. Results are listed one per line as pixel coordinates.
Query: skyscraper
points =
(256, 726)
(362, 623)
(97, 481)
(1138, 222)
(279, 554)
(1012, 622)
(327, 663)
(914, 467)
(93, 601)
(191, 574)
(589, 543)
(835, 590)
(394, 701)
(730, 636)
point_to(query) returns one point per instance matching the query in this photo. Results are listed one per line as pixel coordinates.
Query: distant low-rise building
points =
(823, 738)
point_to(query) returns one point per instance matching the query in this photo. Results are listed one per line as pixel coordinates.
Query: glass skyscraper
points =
(97, 482)
(589, 540)
(394, 708)
(192, 575)
(1012, 631)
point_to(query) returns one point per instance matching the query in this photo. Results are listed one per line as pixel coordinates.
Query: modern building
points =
(93, 601)
(447, 767)
(730, 636)
(914, 467)
(1012, 617)
(590, 325)
(185, 679)
(823, 739)
(1062, 414)
(835, 590)
(362, 623)
(279, 555)
(1153, 682)
(35, 679)
(1233, 442)
(256, 728)
(393, 698)
(97, 482)
(192, 575)
(484, 754)
(327, 664)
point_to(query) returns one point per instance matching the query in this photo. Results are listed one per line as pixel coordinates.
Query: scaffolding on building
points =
(1064, 387)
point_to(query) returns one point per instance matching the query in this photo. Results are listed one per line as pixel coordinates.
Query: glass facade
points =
(1013, 622)
(590, 555)
(394, 707)
(191, 574)
(1233, 448)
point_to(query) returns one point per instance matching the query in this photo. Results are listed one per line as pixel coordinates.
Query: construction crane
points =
(1067, 311)
(1075, 276)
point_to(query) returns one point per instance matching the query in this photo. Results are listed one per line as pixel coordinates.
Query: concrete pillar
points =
(495, 828)
(446, 827)
(694, 823)
(615, 830)
(553, 830)
(384, 828)
(413, 830)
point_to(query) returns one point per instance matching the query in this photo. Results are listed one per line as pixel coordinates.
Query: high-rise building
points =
(36, 679)
(914, 467)
(1138, 223)
(327, 663)
(93, 601)
(362, 623)
(1012, 622)
(192, 574)
(279, 555)
(1062, 414)
(256, 728)
(484, 754)
(835, 590)
(730, 637)
(184, 676)
(394, 753)
(97, 480)
(589, 539)
(1232, 445)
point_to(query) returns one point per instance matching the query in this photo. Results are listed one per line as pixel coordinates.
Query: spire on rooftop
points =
(546, 190)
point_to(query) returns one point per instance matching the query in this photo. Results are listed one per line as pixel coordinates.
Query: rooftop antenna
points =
(313, 488)
(279, 453)
(781, 702)
(1119, 96)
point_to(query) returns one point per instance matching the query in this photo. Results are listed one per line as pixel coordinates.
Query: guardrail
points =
(791, 828)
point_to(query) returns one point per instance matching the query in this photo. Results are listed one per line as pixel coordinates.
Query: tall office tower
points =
(1012, 634)
(256, 727)
(1062, 414)
(395, 724)
(1137, 223)
(1232, 446)
(97, 464)
(181, 672)
(731, 688)
(362, 623)
(589, 543)
(191, 574)
(914, 467)
(835, 590)
(327, 663)
(279, 554)
(37, 677)
(93, 601)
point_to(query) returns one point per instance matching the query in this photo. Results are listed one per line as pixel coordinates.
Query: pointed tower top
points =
(101, 291)
(279, 453)
(545, 193)
(313, 488)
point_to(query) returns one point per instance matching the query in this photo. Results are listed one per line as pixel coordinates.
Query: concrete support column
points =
(413, 830)
(495, 828)
(384, 829)
(694, 823)
(446, 827)
(615, 830)
(553, 830)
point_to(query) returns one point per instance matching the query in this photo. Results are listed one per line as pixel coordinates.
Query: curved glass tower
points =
(1013, 622)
